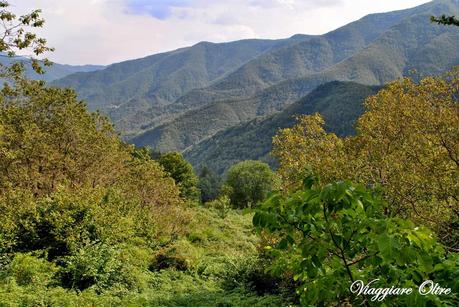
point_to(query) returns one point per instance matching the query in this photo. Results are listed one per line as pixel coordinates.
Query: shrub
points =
(221, 204)
(96, 265)
(26, 269)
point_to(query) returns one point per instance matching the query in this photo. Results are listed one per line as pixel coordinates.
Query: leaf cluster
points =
(330, 236)
(17, 36)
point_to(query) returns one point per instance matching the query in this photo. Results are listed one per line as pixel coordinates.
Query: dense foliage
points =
(73, 194)
(248, 182)
(332, 236)
(213, 265)
(209, 184)
(182, 172)
(407, 142)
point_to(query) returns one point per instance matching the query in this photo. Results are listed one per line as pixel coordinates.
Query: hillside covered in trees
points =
(341, 103)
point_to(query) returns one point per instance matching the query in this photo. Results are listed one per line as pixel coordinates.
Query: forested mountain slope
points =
(126, 90)
(307, 57)
(341, 103)
(175, 100)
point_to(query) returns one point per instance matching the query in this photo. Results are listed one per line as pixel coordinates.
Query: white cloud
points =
(293, 4)
(107, 31)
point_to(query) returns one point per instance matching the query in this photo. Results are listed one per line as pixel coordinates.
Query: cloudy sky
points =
(108, 31)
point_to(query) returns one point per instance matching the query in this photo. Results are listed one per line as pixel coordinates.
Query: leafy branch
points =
(445, 20)
(17, 36)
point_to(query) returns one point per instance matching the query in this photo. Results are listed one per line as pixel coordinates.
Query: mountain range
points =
(53, 72)
(211, 98)
(340, 103)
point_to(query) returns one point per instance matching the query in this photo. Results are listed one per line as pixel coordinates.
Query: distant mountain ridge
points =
(340, 103)
(178, 99)
(144, 93)
(411, 43)
(126, 90)
(53, 72)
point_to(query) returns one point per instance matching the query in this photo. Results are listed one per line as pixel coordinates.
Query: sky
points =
(109, 31)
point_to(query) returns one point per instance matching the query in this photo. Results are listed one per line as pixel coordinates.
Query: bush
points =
(96, 265)
(221, 204)
(26, 269)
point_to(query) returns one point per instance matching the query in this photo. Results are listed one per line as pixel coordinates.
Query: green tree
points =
(182, 172)
(249, 182)
(49, 139)
(69, 185)
(209, 185)
(334, 235)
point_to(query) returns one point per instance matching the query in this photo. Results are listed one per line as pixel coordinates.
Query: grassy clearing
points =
(207, 267)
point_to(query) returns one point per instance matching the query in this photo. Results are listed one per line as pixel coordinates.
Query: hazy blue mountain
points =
(341, 103)
(175, 100)
(295, 59)
(58, 71)
(54, 72)
(125, 90)
(412, 43)
(145, 93)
